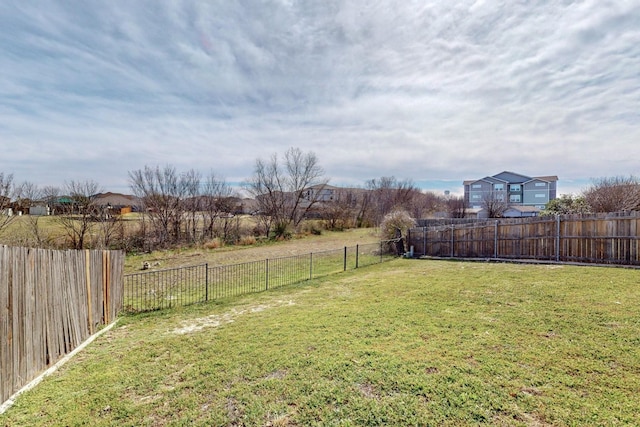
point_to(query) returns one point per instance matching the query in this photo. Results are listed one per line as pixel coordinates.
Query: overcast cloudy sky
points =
(433, 91)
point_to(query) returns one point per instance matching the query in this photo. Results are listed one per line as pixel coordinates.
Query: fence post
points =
(557, 238)
(87, 266)
(424, 241)
(452, 241)
(344, 266)
(311, 266)
(267, 274)
(495, 241)
(206, 282)
(357, 254)
(380, 250)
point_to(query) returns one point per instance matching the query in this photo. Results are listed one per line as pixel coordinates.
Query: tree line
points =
(188, 207)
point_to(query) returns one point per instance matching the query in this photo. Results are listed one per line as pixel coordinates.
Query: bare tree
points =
(456, 207)
(424, 203)
(389, 194)
(340, 212)
(50, 195)
(162, 197)
(218, 203)
(78, 211)
(6, 195)
(286, 191)
(192, 204)
(614, 194)
(494, 203)
(28, 194)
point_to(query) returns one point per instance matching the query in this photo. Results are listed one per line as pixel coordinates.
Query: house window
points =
(514, 198)
(475, 196)
(476, 186)
(498, 187)
(541, 184)
(514, 187)
(540, 195)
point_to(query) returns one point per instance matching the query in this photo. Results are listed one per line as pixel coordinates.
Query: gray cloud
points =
(435, 91)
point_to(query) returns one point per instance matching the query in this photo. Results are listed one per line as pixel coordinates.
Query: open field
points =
(21, 233)
(328, 240)
(406, 342)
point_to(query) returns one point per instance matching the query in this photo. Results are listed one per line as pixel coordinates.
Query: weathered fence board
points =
(50, 302)
(597, 239)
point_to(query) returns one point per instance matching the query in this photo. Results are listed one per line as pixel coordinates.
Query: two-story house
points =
(520, 193)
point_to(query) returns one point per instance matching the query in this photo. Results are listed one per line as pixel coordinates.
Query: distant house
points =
(524, 195)
(117, 203)
(40, 210)
(521, 211)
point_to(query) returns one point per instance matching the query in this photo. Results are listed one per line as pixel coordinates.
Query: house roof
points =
(550, 178)
(511, 177)
(116, 199)
(523, 208)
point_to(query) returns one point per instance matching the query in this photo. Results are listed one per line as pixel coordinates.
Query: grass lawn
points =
(401, 343)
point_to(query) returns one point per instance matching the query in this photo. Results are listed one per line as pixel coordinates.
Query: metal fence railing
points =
(156, 290)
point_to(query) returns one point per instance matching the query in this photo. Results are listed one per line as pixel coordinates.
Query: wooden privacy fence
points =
(50, 302)
(599, 239)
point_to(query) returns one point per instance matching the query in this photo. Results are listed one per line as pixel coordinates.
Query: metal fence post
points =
(206, 282)
(424, 241)
(453, 252)
(557, 238)
(344, 264)
(311, 266)
(357, 254)
(267, 273)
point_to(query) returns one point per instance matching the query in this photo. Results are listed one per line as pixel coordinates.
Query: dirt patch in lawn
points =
(217, 320)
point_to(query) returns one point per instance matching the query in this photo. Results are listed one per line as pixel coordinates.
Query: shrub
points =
(311, 227)
(247, 240)
(396, 222)
(214, 244)
(281, 231)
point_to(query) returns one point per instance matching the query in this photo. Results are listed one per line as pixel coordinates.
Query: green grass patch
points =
(401, 343)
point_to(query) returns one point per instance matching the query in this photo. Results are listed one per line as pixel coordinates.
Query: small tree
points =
(286, 190)
(6, 195)
(566, 204)
(217, 205)
(78, 215)
(456, 207)
(162, 197)
(338, 213)
(396, 225)
(614, 194)
(28, 194)
(495, 204)
(389, 194)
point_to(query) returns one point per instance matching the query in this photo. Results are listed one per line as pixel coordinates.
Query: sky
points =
(436, 92)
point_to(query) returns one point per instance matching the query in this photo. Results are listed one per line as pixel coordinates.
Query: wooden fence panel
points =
(590, 239)
(50, 302)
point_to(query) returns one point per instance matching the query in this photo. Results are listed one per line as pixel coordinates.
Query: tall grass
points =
(401, 343)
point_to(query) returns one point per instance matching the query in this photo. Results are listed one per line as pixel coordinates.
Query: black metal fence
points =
(155, 290)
